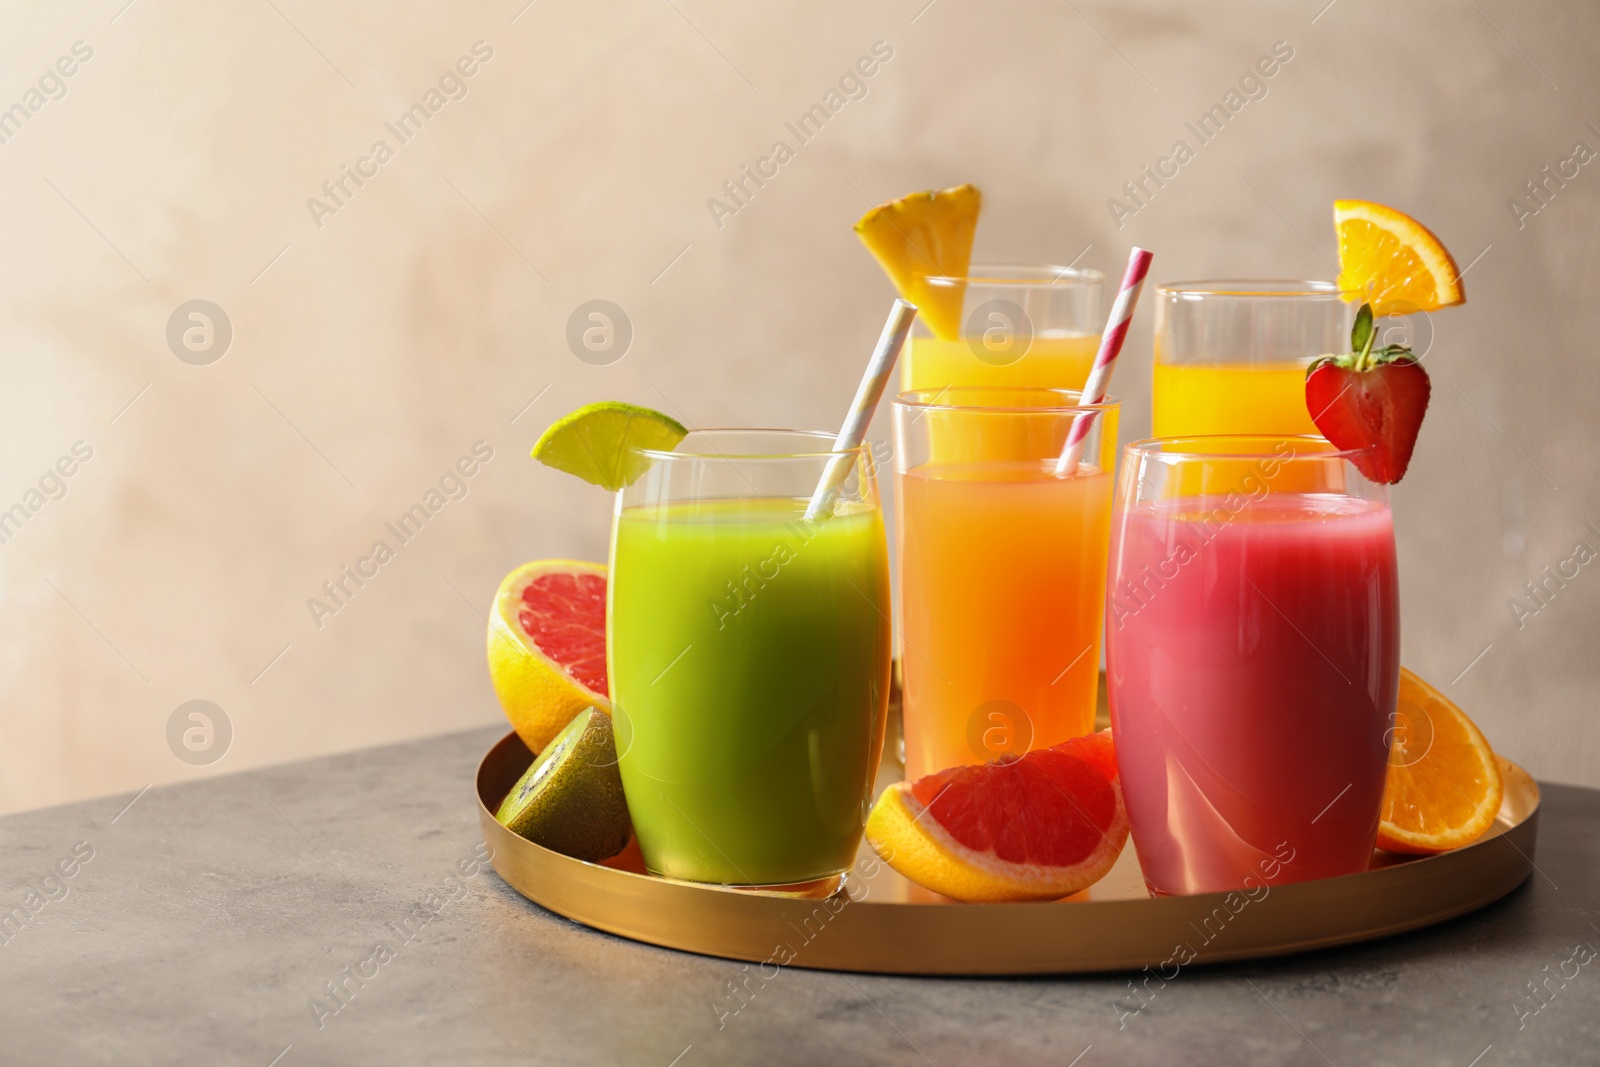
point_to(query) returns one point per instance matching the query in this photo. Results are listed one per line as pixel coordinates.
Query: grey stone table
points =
(214, 922)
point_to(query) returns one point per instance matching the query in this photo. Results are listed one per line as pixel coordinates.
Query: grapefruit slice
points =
(923, 235)
(1036, 828)
(1444, 785)
(547, 646)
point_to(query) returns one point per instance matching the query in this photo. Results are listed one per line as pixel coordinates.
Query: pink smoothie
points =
(1253, 660)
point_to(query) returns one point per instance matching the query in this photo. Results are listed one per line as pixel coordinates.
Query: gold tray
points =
(882, 923)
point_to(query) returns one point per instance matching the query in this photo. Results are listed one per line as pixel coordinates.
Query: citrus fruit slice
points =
(598, 442)
(1392, 261)
(926, 235)
(1444, 784)
(570, 799)
(1036, 828)
(547, 646)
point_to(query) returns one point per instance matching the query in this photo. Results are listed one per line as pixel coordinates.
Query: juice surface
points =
(749, 663)
(1003, 570)
(1238, 398)
(1052, 361)
(1253, 664)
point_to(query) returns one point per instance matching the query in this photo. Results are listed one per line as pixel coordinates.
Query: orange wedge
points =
(1444, 785)
(1392, 261)
(926, 235)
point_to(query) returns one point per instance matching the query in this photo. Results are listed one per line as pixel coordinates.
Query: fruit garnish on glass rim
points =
(599, 442)
(926, 235)
(1393, 262)
(1371, 399)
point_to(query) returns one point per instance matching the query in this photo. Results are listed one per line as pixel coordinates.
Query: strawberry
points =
(1370, 399)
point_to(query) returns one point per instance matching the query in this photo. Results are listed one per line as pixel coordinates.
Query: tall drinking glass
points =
(1253, 659)
(1033, 326)
(1231, 356)
(1002, 571)
(748, 649)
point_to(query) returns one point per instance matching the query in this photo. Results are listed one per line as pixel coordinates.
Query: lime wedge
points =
(570, 800)
(597, 442)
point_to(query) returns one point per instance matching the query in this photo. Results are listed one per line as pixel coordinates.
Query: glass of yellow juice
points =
(1022, 326)
(1002, 570)
(1231, 356)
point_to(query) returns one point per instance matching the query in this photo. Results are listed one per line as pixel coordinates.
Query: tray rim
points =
(1077, 937)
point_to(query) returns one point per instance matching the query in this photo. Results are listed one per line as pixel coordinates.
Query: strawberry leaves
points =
(1362, 334)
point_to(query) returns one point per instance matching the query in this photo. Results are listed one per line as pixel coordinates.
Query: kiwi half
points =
(570, 799)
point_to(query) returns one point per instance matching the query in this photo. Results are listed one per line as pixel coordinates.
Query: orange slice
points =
(1444, 784)
(1036, 828)
(547, 646)
(1392, 261)
(926, 235)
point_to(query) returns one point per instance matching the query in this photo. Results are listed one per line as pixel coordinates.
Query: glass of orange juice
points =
(1231, 356)
(1002, 570)
(1035, 326)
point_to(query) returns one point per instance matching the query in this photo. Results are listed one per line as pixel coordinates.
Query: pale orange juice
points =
(1003, 582)
(1190, 399)
(1047, 361)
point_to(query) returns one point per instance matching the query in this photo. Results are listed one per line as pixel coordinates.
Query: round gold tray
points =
(879, 922)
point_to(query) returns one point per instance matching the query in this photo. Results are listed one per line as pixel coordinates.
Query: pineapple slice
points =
(923, 235)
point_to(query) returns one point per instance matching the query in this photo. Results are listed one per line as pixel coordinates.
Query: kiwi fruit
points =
(570, 799)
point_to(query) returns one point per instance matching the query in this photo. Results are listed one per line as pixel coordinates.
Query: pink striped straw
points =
(1094, 390)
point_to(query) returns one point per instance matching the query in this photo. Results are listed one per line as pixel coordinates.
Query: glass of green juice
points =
(748, 648)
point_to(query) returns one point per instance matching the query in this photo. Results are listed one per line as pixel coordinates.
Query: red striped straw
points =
(1094, 390)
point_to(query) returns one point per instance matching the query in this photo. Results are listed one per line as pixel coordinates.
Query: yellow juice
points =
(1003, 596)
(1237, 398)
(1051, 361)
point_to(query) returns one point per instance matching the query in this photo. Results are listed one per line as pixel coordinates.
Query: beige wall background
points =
(374, 344)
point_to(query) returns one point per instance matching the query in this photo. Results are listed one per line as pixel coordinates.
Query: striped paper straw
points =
(854, 431)
(1094, 390)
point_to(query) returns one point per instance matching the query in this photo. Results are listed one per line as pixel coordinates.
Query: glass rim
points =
(1154, 447)
(1257, 288)
(1021, 276)
(927, 400)
(723, 454)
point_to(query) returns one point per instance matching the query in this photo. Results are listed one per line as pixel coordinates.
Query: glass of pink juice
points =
(1252, 660)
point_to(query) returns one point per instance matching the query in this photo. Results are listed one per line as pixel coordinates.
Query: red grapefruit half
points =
(547, 646)
(1036, 828)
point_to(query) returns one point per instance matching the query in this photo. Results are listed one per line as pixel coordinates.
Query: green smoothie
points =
(749, 663)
